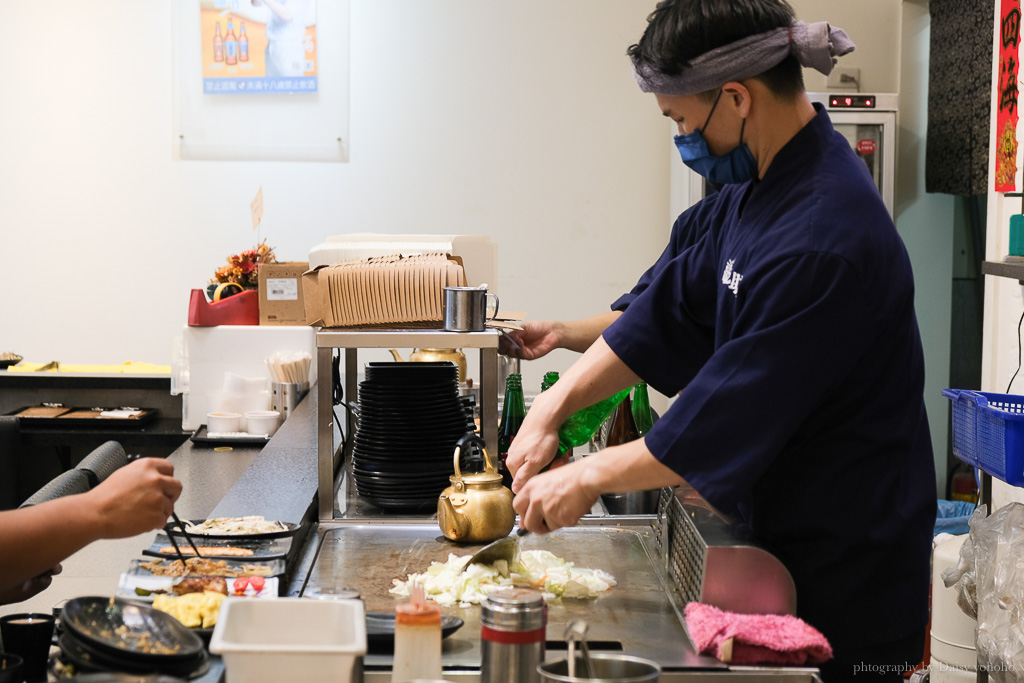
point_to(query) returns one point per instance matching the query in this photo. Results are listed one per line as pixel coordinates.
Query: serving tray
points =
(62, 416)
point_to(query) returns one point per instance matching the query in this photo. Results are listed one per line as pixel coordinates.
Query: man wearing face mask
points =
(788, 325)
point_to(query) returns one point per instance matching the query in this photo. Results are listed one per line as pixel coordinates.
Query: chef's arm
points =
(596, 375)
(540, 337)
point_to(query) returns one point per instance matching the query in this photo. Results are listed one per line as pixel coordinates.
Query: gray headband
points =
(815, 45)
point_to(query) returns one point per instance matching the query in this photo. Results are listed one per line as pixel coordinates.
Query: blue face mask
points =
(737, 166)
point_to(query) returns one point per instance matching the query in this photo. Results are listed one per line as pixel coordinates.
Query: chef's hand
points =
(535, 445)
(30, 588)
(555, 499)
(136, 498)
(535, 340)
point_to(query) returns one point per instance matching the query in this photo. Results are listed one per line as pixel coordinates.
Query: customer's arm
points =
(136, 498)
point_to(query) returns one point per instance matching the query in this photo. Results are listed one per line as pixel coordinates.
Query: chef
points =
(788, 326)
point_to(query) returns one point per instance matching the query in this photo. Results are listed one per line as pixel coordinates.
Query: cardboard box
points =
(281, 293)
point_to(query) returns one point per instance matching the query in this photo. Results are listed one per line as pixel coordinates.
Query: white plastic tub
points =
(290, 639)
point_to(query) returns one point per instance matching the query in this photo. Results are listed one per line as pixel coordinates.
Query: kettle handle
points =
(469, 440)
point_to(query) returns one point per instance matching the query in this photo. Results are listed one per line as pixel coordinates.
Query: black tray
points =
(148, 414)
(202, 436)
(262, 548)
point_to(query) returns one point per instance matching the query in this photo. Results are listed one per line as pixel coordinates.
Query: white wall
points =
(517, 120)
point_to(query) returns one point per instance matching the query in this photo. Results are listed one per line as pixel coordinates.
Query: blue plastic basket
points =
(988, 432)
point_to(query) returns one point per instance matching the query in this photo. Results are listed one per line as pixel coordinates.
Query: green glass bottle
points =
(581, 426)
(550, 378)
(642, 409)
(512, 415)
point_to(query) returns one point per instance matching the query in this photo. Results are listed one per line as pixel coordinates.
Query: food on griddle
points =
(447, 584)
(235, 526)
(202, 566)
(214, 551)
(195, 610)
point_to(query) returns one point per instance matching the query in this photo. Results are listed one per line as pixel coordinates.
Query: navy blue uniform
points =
(789, 327)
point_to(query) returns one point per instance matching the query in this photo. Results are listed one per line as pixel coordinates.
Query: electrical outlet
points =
(844, 78)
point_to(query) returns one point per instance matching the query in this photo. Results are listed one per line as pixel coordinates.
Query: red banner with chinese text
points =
(1006, 117)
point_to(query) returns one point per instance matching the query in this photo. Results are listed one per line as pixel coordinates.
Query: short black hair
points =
(680, 30)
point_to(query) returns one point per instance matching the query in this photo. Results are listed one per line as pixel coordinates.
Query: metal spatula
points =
(503, 549)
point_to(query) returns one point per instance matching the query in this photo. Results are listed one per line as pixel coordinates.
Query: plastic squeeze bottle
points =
(417, 639)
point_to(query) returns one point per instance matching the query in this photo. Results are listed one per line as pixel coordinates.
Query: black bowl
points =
(98, 621)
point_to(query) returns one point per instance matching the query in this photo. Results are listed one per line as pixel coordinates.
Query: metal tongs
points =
(576, 632)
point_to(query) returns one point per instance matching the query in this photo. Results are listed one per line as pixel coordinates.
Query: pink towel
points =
(755, 638)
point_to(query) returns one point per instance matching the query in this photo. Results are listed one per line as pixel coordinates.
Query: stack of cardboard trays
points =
(388, 280)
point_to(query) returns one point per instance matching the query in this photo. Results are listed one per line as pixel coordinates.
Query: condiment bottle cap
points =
(412, 614)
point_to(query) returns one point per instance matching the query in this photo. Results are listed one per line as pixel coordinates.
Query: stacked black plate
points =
(112, 634)
(410, 417)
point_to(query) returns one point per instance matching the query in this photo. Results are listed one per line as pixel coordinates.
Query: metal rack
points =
(351, 339)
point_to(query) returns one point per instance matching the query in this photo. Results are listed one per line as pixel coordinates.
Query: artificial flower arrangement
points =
(243, 269)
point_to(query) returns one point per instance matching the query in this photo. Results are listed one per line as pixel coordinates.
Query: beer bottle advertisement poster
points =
(258, 46)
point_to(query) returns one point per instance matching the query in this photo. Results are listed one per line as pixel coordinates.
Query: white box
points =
(209, 352)
(290, 639)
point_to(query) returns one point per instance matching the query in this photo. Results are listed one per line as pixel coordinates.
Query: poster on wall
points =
(1006, 111)
(258, 46)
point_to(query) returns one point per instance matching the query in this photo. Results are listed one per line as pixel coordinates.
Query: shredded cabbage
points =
(447, 584)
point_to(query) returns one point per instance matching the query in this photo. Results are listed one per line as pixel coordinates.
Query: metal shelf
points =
(351, 339)
(1014, 271)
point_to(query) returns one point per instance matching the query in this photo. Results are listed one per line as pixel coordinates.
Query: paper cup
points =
(258, 422)
(223, 422)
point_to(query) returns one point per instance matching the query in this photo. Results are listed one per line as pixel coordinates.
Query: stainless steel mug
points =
(286, 396)
(465, 309)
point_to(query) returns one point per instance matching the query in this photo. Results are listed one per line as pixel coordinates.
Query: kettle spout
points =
(394, 354)
(453, 524)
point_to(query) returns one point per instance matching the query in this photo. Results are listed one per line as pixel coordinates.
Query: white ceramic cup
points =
(262, 422)
(223, 422)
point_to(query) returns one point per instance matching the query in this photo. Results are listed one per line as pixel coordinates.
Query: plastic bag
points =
(992, 559)
(963, 575)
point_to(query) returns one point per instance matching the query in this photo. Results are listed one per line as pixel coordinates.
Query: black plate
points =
(289, 530)
(88, 659)
(202, 436)
(385, 371)
(380, 627)
(262, 549)
(419, 494)
(95, 620)
(407, 504)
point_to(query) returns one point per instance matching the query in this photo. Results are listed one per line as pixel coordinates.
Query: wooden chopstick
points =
(188, 536)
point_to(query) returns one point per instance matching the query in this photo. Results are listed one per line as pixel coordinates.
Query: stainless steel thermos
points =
(513, 624)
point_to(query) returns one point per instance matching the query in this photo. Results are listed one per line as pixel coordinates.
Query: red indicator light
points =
(835, 102)
(849, 101)
(867, 103)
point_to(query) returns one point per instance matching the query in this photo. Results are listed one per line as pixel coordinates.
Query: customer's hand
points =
(30, 588)
(535, 340)
(135, 499)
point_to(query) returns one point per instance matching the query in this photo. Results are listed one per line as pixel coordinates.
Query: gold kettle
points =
(476, 508)
(436, 355)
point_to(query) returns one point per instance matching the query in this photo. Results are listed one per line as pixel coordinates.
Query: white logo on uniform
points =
(731, 278)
